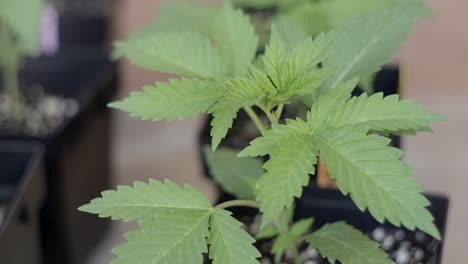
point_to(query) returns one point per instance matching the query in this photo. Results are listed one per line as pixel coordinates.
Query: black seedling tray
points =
(328, 206)
(77, 154)
(21, 197)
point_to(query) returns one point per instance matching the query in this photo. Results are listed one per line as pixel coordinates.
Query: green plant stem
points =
(271, 117)
(10, 64)
(275, 116)
(255, 119)
(279, 112)
(302, 239)
(12, 89)
(295, 253)
(238, 203)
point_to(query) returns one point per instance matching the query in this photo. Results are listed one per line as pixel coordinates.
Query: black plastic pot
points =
(386, 81)
(77, 155)
(21, 197)
(328, 206)
(85, 23)
(75, 30)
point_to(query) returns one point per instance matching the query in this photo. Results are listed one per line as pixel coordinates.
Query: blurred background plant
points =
(19, 38)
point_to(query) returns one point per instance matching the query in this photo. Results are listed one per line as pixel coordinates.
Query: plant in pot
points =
(313, 17)
(183, 16)
(19, 32)
(58, 100)
(27, 108)
(179, 225)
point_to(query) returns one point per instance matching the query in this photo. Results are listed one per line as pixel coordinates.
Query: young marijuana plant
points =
(313, 17)
(19, 32)
(214, 57)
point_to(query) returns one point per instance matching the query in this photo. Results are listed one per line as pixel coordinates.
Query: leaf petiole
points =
(239, 203)
(255, 119)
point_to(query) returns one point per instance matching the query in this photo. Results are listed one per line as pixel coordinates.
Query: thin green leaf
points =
(290, 33)
(149, 202)
(220, 125)
(286, 240)
(287, 173)
(173, 220)
(371, 172)
(23, 18)
(292, 71)
(237, 176)
(281, 224)
(367, 43)
(240, 92)
(339, 241)
(176, 99)
(329, 101)
(267, 232)
(171, 238)
(183, 53)
(383, 114)
(262, 146)
(180, 16)
(236, 39)
(367, 82)
(229, 244)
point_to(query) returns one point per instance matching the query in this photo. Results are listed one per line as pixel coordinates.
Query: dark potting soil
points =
(40, 113)
(402, 246)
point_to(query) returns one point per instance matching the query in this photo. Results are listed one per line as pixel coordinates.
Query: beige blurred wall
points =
(435, 61)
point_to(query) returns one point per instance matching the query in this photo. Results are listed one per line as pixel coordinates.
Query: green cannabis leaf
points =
(238, 176)
(294, 71)
(289, 32)
(368, 42)
(238, 92)
(212, 50)
(367, 82)
(183, 53)
(176, 99)
(324, 16)
(364, 166)
(339, 241)
(175, 17)
(243, 91)
(229, 244)
(220, 125)
(153, 244)
(387, 114)
(23, 17)
(287, 172)
(284, 241)
(176, 224)
(226, 81)
(262, 146)
(150, 201)
(230, 26)
(179, 16)
(371, 172)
